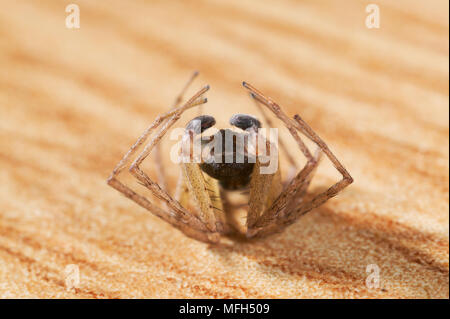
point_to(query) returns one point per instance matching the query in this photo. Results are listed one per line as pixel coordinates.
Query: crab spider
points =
(272, 203)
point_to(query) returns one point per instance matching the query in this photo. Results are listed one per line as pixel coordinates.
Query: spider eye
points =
(244, 121)
(200, 123)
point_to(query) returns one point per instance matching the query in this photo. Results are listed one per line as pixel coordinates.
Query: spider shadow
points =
(321, 244)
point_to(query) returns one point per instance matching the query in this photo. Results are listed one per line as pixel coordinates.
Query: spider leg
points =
(192, 183)
(264, 188)
(334, 189)
(204, 190)
(157, 122)
(137, 172)
(282, 212)
(286, 202)
(300, 181)
(178, 216)
(181, 190)
(261, 98)
(283, 147)
(301, 191)
(295, 183)
(206, 194)
(292, 214)
(160, 171)
(169, 217)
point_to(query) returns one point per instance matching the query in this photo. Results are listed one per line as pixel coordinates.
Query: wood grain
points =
(73, 101)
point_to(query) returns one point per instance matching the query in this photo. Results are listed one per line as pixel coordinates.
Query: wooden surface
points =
(73, 101)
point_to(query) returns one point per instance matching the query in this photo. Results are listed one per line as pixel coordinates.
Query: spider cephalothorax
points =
(197, 206)
(227, 152)
(231, 174)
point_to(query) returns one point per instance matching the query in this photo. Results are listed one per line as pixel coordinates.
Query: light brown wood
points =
(73, 101)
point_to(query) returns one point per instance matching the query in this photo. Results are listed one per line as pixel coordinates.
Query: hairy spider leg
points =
(264, 188)
(285, 198)
(177, 216)
(277, 214)
(204, 190)
(160, 170)
(293, 164)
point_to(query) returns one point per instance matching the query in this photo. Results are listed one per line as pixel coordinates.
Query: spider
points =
(272, 204)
